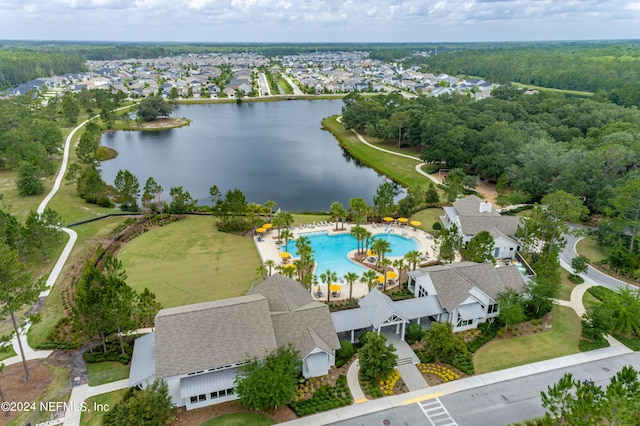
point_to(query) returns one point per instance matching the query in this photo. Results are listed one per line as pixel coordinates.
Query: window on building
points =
(202, 397)
(493, 308)
(214, 395)
(193, 399)
(422, 292)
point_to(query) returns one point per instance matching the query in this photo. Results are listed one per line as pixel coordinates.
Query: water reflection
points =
(271, 151)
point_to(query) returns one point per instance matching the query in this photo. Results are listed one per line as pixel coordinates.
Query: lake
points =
(269, 150)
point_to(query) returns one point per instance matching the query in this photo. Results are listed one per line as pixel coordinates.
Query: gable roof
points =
(297, 318)
(471, 206)
(283, 294)
(212, 334)
(476, 215)
(453, 282)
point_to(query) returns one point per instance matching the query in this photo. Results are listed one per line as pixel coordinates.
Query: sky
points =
(299, 21)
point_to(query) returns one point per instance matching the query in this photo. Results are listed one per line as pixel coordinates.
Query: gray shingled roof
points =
(470, 206)
(297, 318)
(472, 221)
(283, 294)
(453, 282)
(212, 334)
(473, 225)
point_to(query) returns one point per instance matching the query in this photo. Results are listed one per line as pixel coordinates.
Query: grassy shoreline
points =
(399, 169)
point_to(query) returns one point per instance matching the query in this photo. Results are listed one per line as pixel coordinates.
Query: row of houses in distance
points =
(194, 76)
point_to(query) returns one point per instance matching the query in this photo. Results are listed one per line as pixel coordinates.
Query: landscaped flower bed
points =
(443, 374)
(389, 383)
(325, 398)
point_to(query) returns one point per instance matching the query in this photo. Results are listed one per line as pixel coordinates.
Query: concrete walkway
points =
(407, 360)
(472, 382)
(80, 393)
(353, 381)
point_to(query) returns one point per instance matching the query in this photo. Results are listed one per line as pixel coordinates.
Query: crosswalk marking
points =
(436, 413)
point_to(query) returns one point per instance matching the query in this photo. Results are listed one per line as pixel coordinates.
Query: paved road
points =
(500, 403)
(592, 274)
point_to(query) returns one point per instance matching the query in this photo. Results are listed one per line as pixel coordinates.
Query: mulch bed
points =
(15, 389)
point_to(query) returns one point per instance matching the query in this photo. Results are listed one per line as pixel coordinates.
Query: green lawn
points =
(189, 262)
(7, 352)
(94, 418)
(51, 312)
(240, 419)
(589, 301)
(106, 372)
(566, 286)
(561, 340)
(310, 218)
(588, 247)
(428, 217)
(551, 89)
(400, 169)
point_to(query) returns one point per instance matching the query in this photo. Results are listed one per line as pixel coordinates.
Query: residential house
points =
(471, 215)
(468, 292)
(198, 349)
(464, 294)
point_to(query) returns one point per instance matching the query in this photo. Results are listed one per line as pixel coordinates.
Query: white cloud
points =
(319, 20)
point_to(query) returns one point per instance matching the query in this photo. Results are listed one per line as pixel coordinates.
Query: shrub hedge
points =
(324, 399)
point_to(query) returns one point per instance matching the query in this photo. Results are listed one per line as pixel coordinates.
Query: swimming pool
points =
(330, 251)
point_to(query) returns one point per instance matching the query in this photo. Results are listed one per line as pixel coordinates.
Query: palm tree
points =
(286, 235)
(413, 257)
(262, 271)
(337, 211)
(368, 240)
(399, 265)
(382, 247)
(270, 264)
(305, 251)
(350, 278)
(328, 277)
(268, 206)
(358, 233)
(385, 263)
(370, 277)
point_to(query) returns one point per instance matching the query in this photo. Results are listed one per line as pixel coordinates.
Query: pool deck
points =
(268, 249)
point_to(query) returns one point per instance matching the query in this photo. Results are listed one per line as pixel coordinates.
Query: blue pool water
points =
(330, 252)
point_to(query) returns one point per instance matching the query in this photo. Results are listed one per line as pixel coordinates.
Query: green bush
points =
(92, 357)
(590, 345)
(57, 344)
(345, 353)
(576, 279)
(324, 399)
(414, 333)
(488, 332)
(601, 293)
(430, 168)
(436, 226)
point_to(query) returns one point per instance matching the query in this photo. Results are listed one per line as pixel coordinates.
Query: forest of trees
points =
(535, 144)
(608, 69)
(18, 66)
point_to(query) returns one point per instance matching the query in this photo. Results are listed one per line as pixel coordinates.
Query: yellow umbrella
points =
(267, 225)
(284, 254)
(380, 278)
(290, 265)
(261, 230)
(372, 253)
(335, 287)
(318, 289)
(415, 223)
(392, 274)
(403, 220)
(387, 219)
